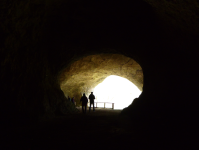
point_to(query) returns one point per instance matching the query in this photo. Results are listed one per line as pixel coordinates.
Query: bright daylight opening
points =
(117, 90)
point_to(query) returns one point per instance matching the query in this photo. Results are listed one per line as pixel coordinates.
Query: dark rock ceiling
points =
(182, 14)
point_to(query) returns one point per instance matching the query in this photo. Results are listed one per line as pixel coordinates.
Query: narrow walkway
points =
(102, 111)
(102, 129)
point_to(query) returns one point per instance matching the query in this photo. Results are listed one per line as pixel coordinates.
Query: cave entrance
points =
(85, 73)
(117, 90)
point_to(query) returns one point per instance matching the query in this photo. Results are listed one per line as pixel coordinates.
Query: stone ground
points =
(103, 129)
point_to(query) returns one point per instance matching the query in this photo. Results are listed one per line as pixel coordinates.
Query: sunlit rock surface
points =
(86, 73)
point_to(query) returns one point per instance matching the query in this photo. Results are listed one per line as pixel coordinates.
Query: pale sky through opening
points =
(118, 90)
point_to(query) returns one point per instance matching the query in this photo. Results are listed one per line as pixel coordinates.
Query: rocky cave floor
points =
(102, 129)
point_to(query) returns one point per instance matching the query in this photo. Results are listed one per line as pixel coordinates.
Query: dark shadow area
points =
(38, 39)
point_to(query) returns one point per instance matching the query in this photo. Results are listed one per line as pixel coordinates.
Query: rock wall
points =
(179, 14)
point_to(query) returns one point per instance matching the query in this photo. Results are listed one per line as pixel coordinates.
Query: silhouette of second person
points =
(92, 98)
(84, 101)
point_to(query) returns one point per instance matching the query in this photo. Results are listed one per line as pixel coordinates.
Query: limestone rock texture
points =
(83, 75)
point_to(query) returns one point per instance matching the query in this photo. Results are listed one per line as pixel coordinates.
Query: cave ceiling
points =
(181, 14)
(83, 75)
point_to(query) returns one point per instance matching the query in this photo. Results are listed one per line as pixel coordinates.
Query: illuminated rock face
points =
(86, 73)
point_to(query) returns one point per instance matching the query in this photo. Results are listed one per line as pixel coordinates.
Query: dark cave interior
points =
(39, 40)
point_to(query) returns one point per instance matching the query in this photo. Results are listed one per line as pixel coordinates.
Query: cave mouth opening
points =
(84, 74)
(117, 90)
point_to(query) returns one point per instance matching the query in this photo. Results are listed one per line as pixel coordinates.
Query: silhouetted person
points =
(69, 98)
(92, 98)
(84, 101)
(73, 100)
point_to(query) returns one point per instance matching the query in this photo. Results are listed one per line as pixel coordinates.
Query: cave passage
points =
(83, 76)
(117, 90)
